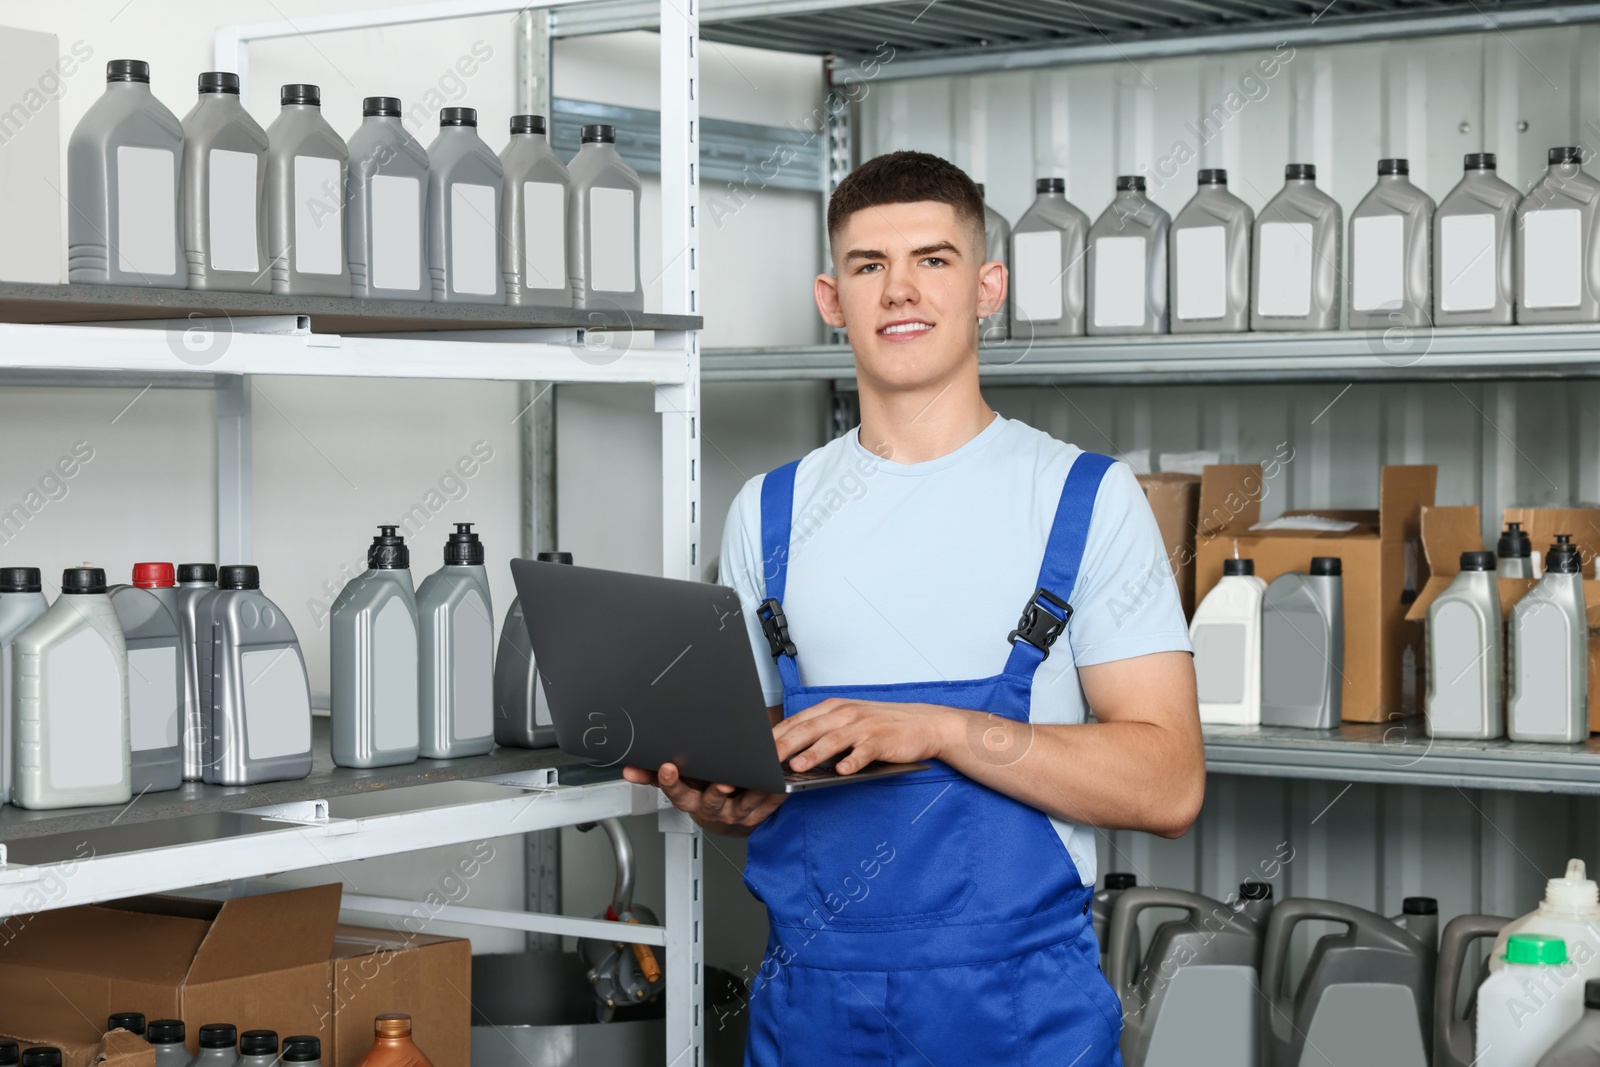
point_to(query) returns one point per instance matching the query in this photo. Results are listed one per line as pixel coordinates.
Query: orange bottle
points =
(393, 1046)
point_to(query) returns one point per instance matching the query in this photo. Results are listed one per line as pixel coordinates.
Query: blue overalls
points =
(926, 919)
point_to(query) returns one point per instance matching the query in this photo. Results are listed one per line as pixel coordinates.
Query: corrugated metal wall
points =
(1496, 444)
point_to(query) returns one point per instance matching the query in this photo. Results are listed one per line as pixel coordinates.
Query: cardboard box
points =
(1175, 500)
(430, 978)
(119, 1048)
(1380, 557)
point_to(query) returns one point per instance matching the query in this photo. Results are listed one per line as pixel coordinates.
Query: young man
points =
(944, 915)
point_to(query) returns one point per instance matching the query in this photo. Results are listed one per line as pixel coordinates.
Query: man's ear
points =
(992, 285)
(826, 291)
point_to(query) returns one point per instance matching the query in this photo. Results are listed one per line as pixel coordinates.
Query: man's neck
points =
(914, 427)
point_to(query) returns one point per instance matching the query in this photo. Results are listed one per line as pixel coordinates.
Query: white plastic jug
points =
(1525, 1006)
(1226, 634)
(1571, 911)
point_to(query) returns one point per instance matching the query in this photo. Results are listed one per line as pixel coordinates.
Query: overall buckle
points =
(1040, 628)
(776, 626)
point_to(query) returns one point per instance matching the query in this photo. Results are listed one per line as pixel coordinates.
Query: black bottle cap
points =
(458, 116)
(258, 1043)
(599, 134)
(83, 580)
(1394, 166)
(1121, 880)
(463, 548)
(1255, 891)
(42, 1055)
(20, 580)
(1231, 567)
(219, 81)
(1564, 557)
(1330, 566)
(388, 551)
(300, 93)
(1127, 182)
(1419, 906)
(218, 1035)
(131, 1021)
(9, 1054)
(1478, 161)
(554, 557)
(127, 70)
(165, 1032)
(1570, 154)
(1514, 542)
(1300, 172)
(380, 106)
(198, 572)
(1591, 993)
(1212, 176)
(527, 123)
(1050, 185)
(239, 576)
(302, 1048)
(1477, 561)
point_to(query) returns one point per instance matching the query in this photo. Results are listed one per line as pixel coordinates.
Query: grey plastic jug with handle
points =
(521, 713)
(1195, 1001)
(1103, 904)
(1452, 1034)
(1367, 994)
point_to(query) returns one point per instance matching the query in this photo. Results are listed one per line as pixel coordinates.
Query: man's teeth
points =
(907, 327)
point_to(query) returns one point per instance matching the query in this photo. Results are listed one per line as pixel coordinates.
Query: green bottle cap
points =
(1533, 948)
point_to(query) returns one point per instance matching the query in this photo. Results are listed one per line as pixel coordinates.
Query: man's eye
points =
(869, 267)
(935, 260)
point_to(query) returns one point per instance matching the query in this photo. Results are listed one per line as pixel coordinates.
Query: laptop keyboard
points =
(826, 769)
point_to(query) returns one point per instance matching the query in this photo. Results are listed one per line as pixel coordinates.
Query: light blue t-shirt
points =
(917, 572)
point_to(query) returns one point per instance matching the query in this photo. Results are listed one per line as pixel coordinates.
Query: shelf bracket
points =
(300, 812)
(539, 778)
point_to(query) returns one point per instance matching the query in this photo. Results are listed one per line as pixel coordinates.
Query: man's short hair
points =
(907, 178)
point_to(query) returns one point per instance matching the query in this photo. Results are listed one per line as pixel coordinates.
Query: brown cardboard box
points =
(1379, 557)
(119, 1048)
(1175, 499)
(427, 977)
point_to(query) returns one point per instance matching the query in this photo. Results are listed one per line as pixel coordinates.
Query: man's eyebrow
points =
(863, 253)
(926, 250)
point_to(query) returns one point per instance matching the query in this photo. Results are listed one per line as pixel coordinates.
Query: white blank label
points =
(1036, 269)
(1285, 269)
(1377, 261)
(544, 236)
(473, 238)
(394, 677)
(1202, 266)
(611, 240)
(1467, 263)
(1119, 282)
(152, 698)
(396, 233)
(83, 730)
(147, 211)
(277, 703)
(1552, 261)
(318, 216)
(231, 210)
(472, 668)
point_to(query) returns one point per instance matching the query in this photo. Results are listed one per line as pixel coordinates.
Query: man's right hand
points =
(718, 807)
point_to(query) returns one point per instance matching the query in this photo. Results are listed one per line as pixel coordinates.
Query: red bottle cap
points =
(153, 576)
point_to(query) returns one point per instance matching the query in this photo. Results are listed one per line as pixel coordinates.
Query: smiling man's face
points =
(910, 286)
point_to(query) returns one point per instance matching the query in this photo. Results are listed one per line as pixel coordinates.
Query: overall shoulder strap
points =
(1045, 617)
(777, 513)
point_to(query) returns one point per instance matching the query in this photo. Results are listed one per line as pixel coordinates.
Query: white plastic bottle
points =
(1525, 1005)
(21, 602)
(1570, 910)
(1226, 634)
(1463, 649)
(1547, 654)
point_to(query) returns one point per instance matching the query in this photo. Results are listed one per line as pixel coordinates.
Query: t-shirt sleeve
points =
(1125, 602)
(740, 568)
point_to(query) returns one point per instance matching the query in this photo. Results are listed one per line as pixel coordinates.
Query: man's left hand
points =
(865, 730)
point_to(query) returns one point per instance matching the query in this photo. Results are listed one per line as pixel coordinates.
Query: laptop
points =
(641, 671)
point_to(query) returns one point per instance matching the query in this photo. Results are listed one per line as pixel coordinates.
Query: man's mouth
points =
(905, 329)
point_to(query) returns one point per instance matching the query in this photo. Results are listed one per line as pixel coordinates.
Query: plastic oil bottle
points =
(253, 685)
(387, 213)
(131, 1021)
(392, 1046)
(1128, 263)
(1570, 910)
(1452, 1029)
(1048, 247)
(1547, 654)
(373, 660)
(997, 248)
(302, 1050)
(218, 1046)
(166, 1036)
(1391, 260)
(22, 600)
(1302, 647)
(1295, 257)
(1525, 1006)
(224, 191)
(1514, 553)
(71, 710)
(1474, 248)
(195, 583)
(1464, 661)
(258, 1048)
(521, 712)
(306, 174)
(1226, 635)
(533, 218)
(1556, 245)
(1579, 1046)
(123, 187)
(155, 681)
(1103, 904)
(455, 639)
(1209, 260)
(464, 180)
(603, 225)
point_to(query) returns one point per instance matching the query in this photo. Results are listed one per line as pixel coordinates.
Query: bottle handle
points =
(1452, 1037)
(1275, 957)
(1120, 966)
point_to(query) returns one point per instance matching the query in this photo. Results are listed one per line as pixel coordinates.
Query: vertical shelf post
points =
(235, 469)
